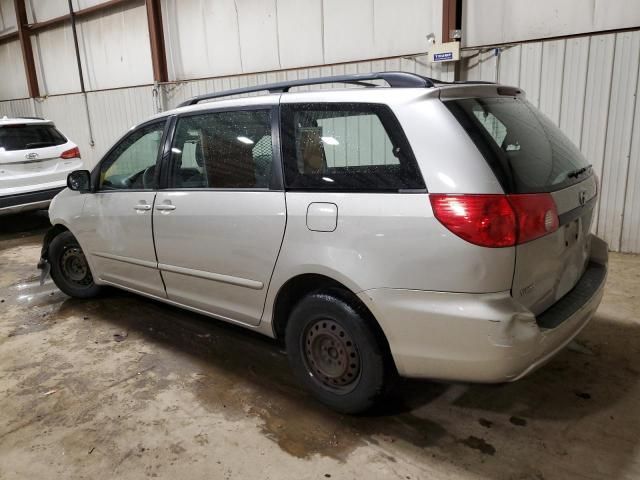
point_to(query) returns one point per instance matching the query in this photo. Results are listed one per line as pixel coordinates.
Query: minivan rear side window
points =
(346, 147)
(526, 151)
(26, 136)
(222, 150)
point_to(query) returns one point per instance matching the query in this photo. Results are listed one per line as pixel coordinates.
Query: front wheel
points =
(335, 353)
(69, 267)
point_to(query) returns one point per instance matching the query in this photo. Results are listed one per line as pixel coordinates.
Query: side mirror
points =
(79, 181)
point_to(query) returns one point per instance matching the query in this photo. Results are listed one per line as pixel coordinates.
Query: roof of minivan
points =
(23, 121)
(386, 95)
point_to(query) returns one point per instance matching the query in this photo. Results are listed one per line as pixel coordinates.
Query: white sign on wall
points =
(444, 52)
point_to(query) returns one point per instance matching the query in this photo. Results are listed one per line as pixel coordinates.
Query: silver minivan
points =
(427, 229)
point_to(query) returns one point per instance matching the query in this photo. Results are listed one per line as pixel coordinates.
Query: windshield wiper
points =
(578, 171)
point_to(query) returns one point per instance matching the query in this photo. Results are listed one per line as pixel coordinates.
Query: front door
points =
(219, 226)
(117, 218)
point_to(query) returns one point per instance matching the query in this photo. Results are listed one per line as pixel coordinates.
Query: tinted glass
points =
(525, 149)
(24, 137)
(222, 150)
(346, 147)
(132, 164)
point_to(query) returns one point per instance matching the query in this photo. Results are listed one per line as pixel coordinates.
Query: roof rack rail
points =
(466, 82)
(394, 79)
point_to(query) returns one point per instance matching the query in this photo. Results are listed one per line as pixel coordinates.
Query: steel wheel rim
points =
(331, 355)
(75, 268)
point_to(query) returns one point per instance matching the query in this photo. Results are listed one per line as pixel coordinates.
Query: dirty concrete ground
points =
(124, 387)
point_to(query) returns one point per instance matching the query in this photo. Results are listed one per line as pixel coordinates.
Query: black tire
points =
(342, 332)
(69, 268)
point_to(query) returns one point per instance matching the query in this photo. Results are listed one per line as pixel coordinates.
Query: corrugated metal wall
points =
(14, 80)
(22, 107)
(233, 38)
(489, 22)
(245, 36)
(114, 47)
(589, 87)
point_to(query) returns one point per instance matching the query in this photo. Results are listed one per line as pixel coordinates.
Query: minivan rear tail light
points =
(72, 153)
(537, 215)
(496, 220)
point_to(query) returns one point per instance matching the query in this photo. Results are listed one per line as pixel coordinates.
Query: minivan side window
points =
(132, 164)
(346, 147)
(222, 150)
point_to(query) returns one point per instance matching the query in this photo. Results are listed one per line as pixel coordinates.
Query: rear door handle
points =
(142, 207)
(164, 206)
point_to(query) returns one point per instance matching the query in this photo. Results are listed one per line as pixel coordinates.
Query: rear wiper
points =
(578, 171)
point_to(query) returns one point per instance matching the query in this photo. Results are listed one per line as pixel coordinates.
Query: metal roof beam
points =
(8, 37)
(99, 8)
(156, 41)
(27, 49)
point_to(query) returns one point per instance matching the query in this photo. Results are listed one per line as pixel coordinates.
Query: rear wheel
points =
(69, 267)
(335, 353)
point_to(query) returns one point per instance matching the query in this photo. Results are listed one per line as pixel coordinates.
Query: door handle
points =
(165, 207)
(142, 207)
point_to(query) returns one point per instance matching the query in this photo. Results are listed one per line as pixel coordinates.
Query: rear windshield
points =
(524, 148)
(25, 137)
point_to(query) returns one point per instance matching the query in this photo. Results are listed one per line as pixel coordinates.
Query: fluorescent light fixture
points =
(246, 140)
(330, 141)
(176, 150)
(327, 179)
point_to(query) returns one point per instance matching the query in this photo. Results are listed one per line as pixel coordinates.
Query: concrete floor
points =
(123, 387)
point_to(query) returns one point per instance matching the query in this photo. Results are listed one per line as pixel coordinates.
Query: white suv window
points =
(28, 136)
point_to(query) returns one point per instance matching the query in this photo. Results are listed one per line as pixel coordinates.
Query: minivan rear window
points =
(346, 147)
(27, 136)
(527, 152)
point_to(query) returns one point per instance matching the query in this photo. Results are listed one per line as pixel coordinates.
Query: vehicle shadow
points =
(21, 225)
(564, 411)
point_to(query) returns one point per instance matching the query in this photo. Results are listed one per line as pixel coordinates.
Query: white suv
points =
(428, 229)
(35, 159)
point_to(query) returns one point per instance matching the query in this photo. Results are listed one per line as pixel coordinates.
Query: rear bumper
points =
(487, 338)
(20, 202)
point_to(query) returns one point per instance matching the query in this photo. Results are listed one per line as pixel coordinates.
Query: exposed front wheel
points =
(335, 353)
(69, 267)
